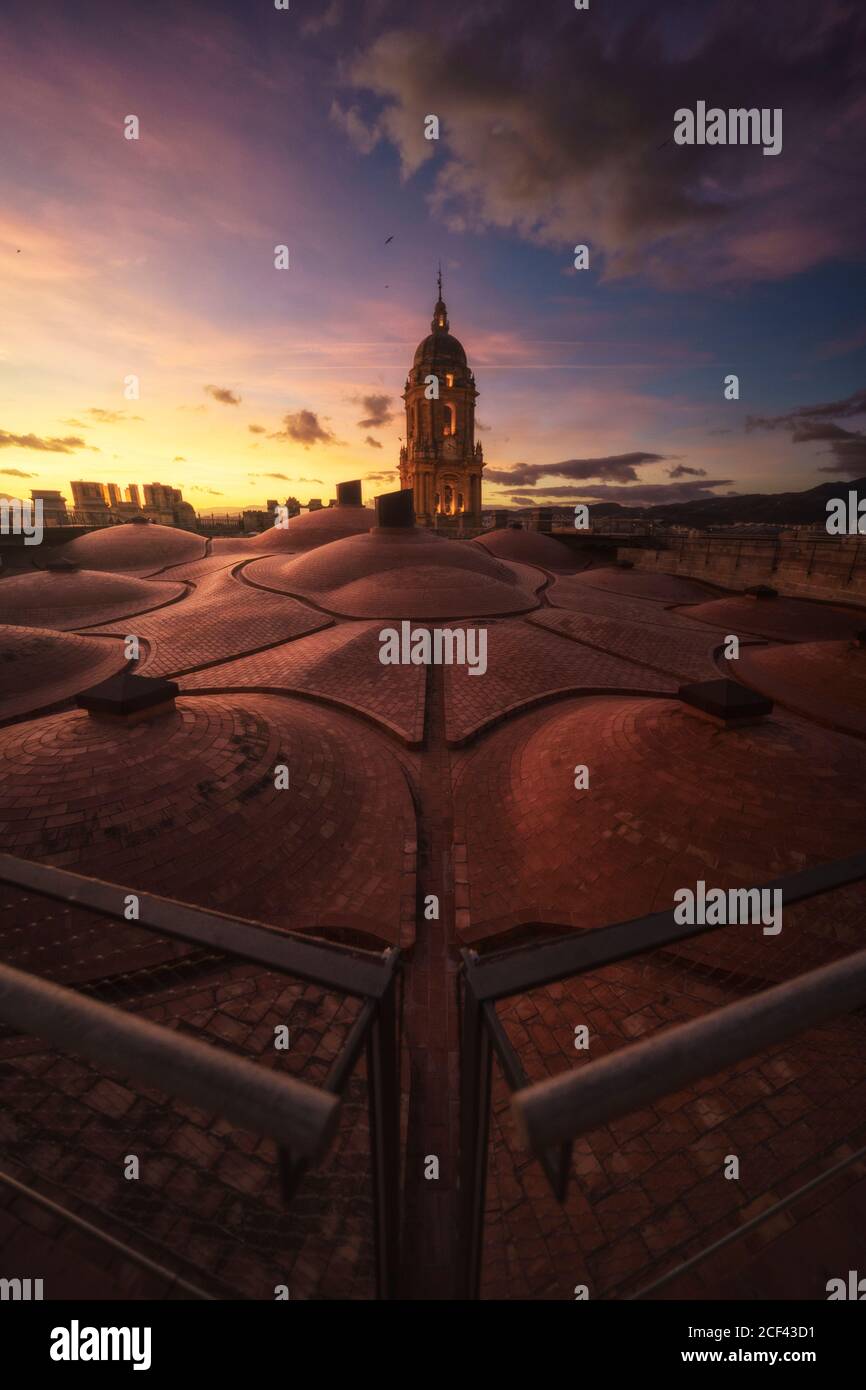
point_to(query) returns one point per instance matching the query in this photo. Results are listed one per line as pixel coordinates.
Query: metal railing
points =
(300, 1117)
(554, 1112)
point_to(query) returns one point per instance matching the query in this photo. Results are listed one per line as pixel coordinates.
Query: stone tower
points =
(440, 460)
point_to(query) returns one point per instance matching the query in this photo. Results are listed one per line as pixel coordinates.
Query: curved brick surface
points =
(672, 799)
(79, 598)
(400, 574)
(312, 529)
(221, 619)
(783, 619)
(207, 1201)
(685, 652)
(825, 681)
(134, 546)
(196, 570)
(647, 1190)
(342, 665)
(185, 806)
(523, 665)
(40, 667)
(527, 548)
(567, 592)
(638, 583)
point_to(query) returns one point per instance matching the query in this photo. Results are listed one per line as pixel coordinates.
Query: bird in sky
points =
(387, 239)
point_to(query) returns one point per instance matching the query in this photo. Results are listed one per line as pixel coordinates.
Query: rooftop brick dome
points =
(640, 583)
(786, 619)
(527, 548)
(401, 572)
(185, 805)
(130, 546)
(40, 667)
(672, 798)
(825, 681)
(68, 598)
(312, 529)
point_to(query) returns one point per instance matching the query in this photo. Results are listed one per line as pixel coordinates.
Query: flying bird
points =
(387, 239)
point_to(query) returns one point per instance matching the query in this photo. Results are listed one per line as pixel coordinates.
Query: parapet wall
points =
(828, 568)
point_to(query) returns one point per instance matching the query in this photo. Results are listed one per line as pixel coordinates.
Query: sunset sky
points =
(305, 127)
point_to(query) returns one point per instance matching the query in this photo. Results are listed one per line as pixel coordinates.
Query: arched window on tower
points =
(449, 425)
(460, 501)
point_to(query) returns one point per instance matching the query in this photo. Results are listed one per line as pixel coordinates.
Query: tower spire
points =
(439, 322)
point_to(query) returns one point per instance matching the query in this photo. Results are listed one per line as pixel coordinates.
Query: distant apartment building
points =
(101, 504)
(54, 511)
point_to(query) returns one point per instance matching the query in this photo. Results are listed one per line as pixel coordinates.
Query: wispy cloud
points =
(223, 395)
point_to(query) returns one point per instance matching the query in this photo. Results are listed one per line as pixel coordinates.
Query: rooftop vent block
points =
(349, 494)
(396, 509)
(139, 521)
(762, 591)
(129, 698)
(726, 702)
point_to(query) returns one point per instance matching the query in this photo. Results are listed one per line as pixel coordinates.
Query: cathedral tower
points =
(440, 460)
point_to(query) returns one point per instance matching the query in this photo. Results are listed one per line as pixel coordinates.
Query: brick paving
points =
(824, 681)
(220, 619)
(186, 806)
(207, 1203)
(431, 1034)
(675, 650)
(648, 1191)
(573, 593)
(525, 665)
(340, 665)
(80, 598)
(40, 668)
(528, 548)
(641, 584)
(780, 619)
(133, 547)
(358, 578)
(312, 529)
(732, 810)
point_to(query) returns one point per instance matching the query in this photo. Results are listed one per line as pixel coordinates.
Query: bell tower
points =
(440, 460)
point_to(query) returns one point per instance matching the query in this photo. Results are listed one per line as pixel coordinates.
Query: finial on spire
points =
(439, 279)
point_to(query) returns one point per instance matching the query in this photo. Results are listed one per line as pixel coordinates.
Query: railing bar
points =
(529, 967)
(254, 1097)
(32, 1195)
(749, 1225)
(348, 969)
(568, 1105)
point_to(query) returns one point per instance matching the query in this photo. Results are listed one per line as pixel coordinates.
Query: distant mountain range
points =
(771, 508)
